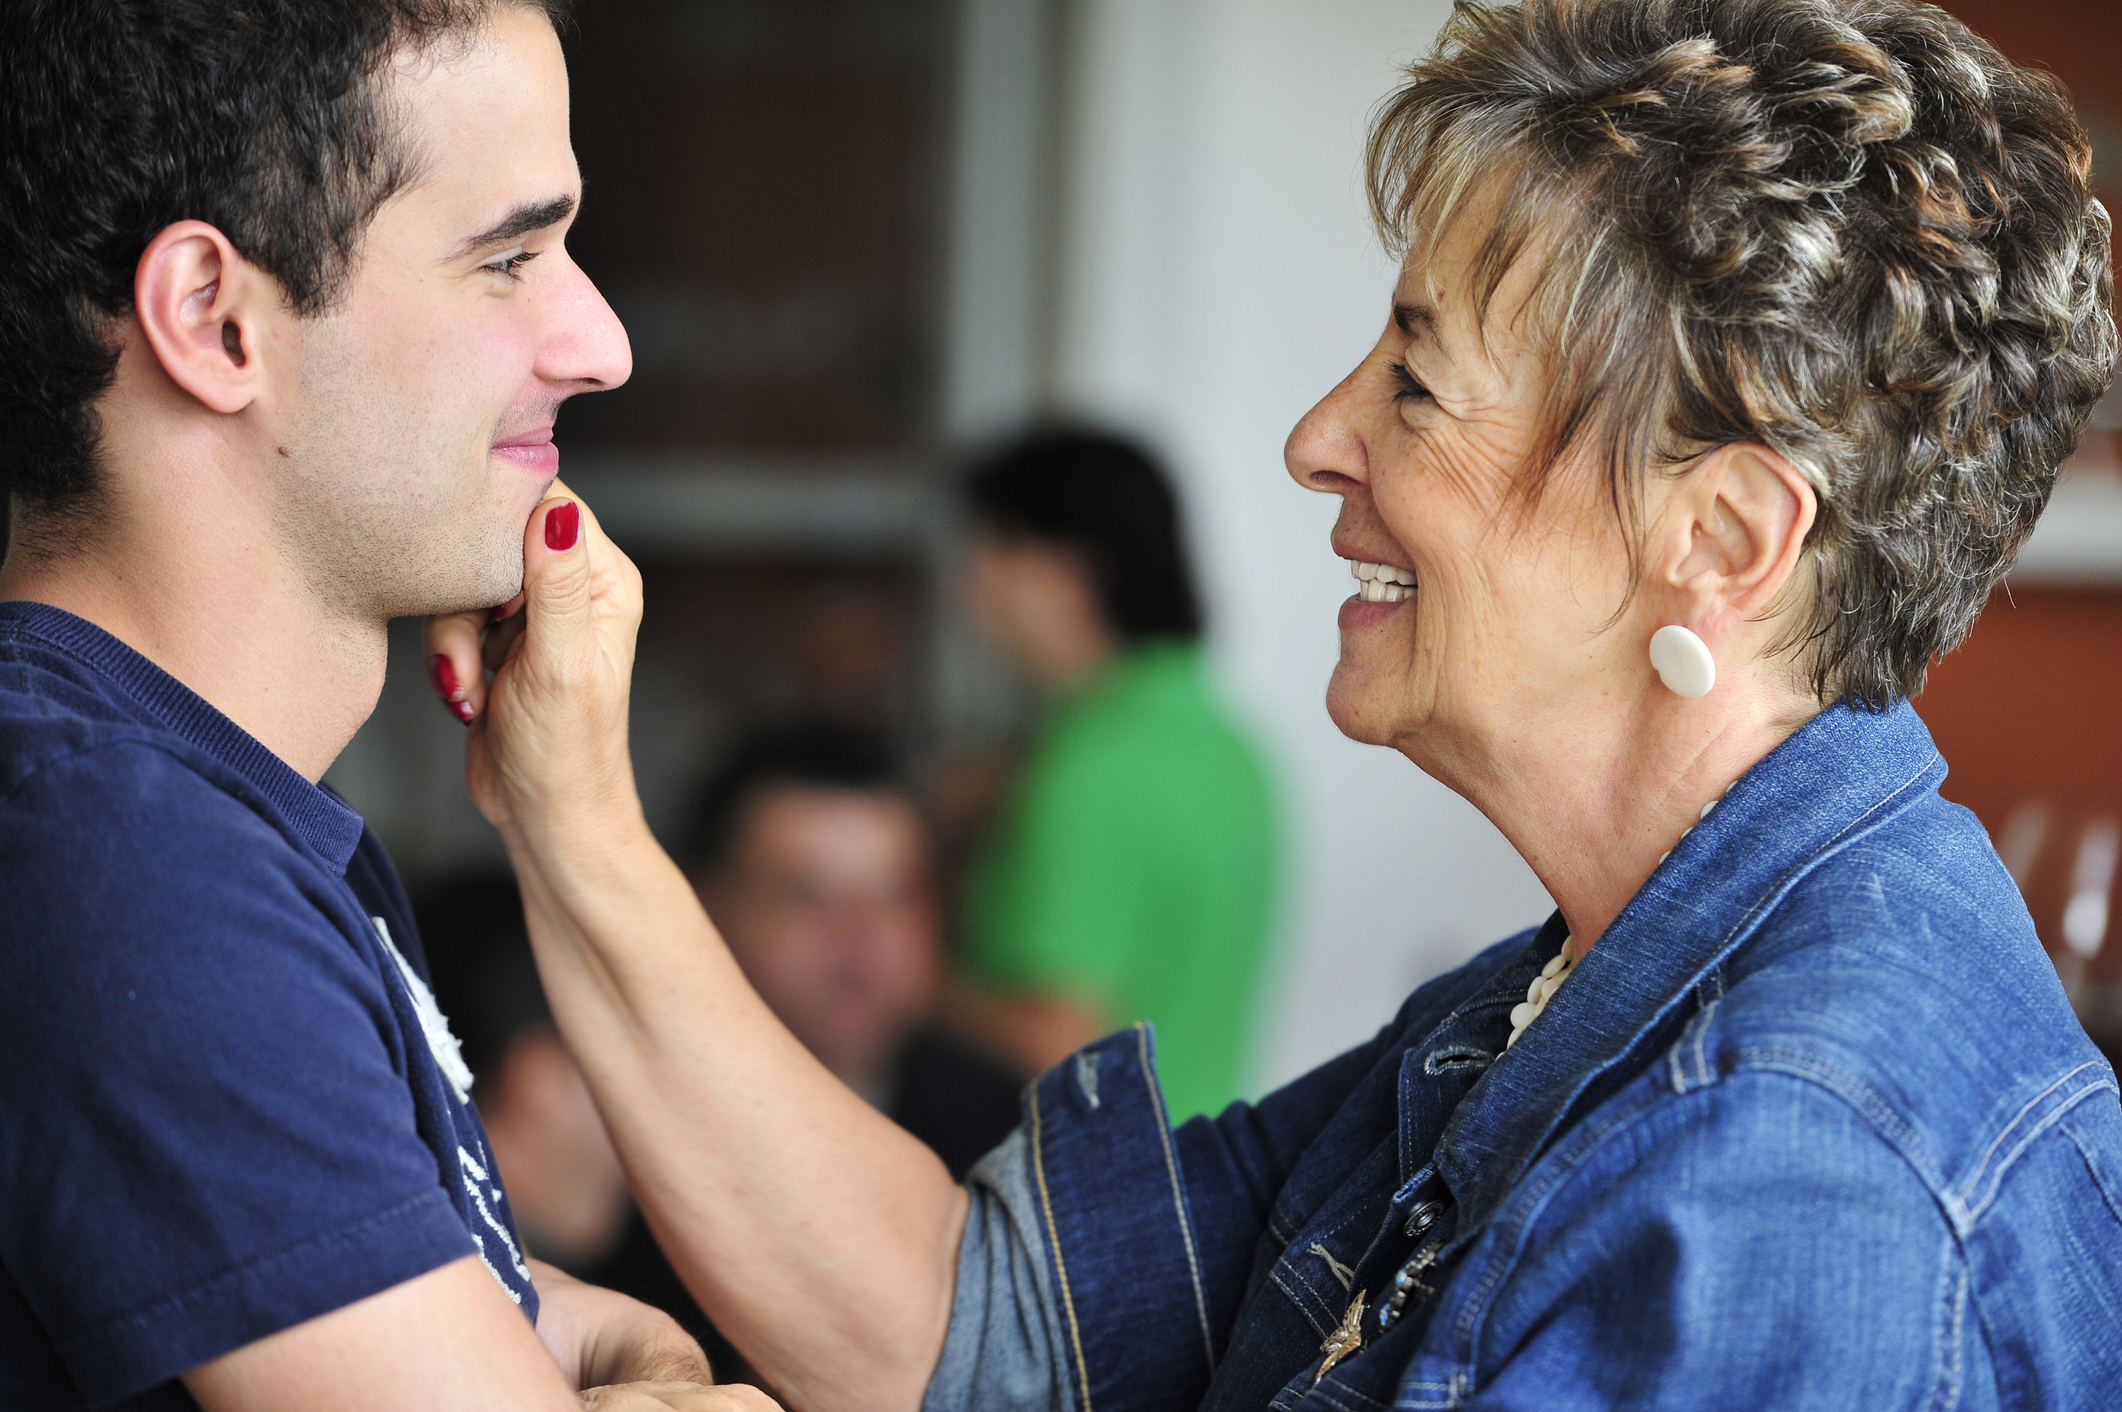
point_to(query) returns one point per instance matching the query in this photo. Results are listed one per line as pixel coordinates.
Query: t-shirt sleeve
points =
(208, 1134)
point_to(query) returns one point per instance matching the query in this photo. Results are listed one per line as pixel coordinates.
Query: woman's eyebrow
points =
(530, 216)
(1415, 320)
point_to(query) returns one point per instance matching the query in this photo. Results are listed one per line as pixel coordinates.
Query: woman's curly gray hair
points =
(1848, 230)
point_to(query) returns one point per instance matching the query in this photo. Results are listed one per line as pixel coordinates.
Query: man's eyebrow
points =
(530, 216)
(1413, 319)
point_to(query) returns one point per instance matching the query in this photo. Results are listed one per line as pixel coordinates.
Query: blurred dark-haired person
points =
(1735, 348)
(817, 864)
(286, 314)
(1132, 874)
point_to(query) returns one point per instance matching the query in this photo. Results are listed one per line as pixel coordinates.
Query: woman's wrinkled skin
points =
(1519, 674)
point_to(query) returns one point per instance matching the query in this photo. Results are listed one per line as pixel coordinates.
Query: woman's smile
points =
(1381, 591)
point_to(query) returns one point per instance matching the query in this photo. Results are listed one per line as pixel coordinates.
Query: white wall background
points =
(1215, 275)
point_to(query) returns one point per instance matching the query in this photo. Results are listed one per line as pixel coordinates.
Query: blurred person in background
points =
(1132, 876)
(818, 865)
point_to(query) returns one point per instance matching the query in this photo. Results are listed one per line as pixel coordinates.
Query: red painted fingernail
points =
(464, 711)
(563, 526)
(445, 676)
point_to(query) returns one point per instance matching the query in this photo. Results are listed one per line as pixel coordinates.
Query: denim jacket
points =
(1812, 1126)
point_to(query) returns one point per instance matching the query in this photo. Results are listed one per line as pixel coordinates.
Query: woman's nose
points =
(1325, 452)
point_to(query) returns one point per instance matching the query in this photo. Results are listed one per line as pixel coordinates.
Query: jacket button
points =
(1423, 1217)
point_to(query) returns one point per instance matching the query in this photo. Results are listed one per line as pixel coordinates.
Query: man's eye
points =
(512, 263)
(1408, 389)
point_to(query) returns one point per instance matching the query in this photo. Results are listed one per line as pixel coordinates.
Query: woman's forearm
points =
(818, 1235)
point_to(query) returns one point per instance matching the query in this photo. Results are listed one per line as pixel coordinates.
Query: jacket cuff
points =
(1118, 1230)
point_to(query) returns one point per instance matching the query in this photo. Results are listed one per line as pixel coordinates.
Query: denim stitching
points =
(1567, 1158)
(1510, 1237)
(1974, 1178)
(1427, 1388)
(2092, 1171)
(1672, 1061)
(1456, 1056)
(1171, 1168)
(1675, 1059)
(1326, 1392)
(2053, 1117)
(1803, 1064)
(1297, 1297)
(1053, 1236)
(1287, 1262)
(1947, 1392)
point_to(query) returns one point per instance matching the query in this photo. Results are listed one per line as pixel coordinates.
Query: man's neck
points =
(185, 585)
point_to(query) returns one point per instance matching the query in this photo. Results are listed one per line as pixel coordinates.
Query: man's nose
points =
(584, 345)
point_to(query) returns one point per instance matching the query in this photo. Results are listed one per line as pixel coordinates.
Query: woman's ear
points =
(199, 306)
(1737, 526)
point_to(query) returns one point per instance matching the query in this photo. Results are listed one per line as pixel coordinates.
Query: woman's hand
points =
(734, 1136)
(548, 733)
(600, 1337)
(678, 1397)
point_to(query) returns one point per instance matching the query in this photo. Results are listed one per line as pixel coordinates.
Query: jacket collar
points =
(1841, 775)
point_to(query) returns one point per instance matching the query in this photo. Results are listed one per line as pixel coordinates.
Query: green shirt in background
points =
(1135, 868)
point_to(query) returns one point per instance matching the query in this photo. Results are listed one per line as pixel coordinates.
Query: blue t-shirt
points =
(230, 1104)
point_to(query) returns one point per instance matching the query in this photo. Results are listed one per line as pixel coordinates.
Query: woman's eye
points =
(512, 263)
(1407, 389)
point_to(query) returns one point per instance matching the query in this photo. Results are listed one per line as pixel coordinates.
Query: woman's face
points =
(1511, 617)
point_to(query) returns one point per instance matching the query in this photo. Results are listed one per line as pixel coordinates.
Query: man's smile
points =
(533, 450)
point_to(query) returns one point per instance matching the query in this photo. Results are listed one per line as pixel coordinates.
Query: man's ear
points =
(201, 308)
(1736, 528)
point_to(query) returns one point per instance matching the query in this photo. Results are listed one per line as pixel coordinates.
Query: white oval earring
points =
(1683, 660)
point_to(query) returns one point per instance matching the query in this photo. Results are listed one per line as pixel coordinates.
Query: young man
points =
(1132, 877)
(287, 319)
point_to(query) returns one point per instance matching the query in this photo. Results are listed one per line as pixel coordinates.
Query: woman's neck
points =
(1594, 798)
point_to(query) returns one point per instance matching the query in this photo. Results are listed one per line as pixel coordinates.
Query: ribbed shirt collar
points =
(1841, 775)
(318, 817)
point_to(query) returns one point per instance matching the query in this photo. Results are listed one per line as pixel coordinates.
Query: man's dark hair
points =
(118, 118)
(802, 755)
(479, 957)
(1108, 499)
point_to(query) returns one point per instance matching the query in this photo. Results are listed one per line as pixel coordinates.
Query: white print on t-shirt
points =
(475, 1182)
(449, 1054)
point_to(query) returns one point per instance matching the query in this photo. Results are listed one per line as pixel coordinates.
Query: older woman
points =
(1735, 349)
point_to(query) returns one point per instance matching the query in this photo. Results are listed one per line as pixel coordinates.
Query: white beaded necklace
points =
(1544, 985)
(1559, 967)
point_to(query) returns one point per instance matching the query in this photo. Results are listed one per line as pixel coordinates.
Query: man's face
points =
(420, 434)
(828, 906)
